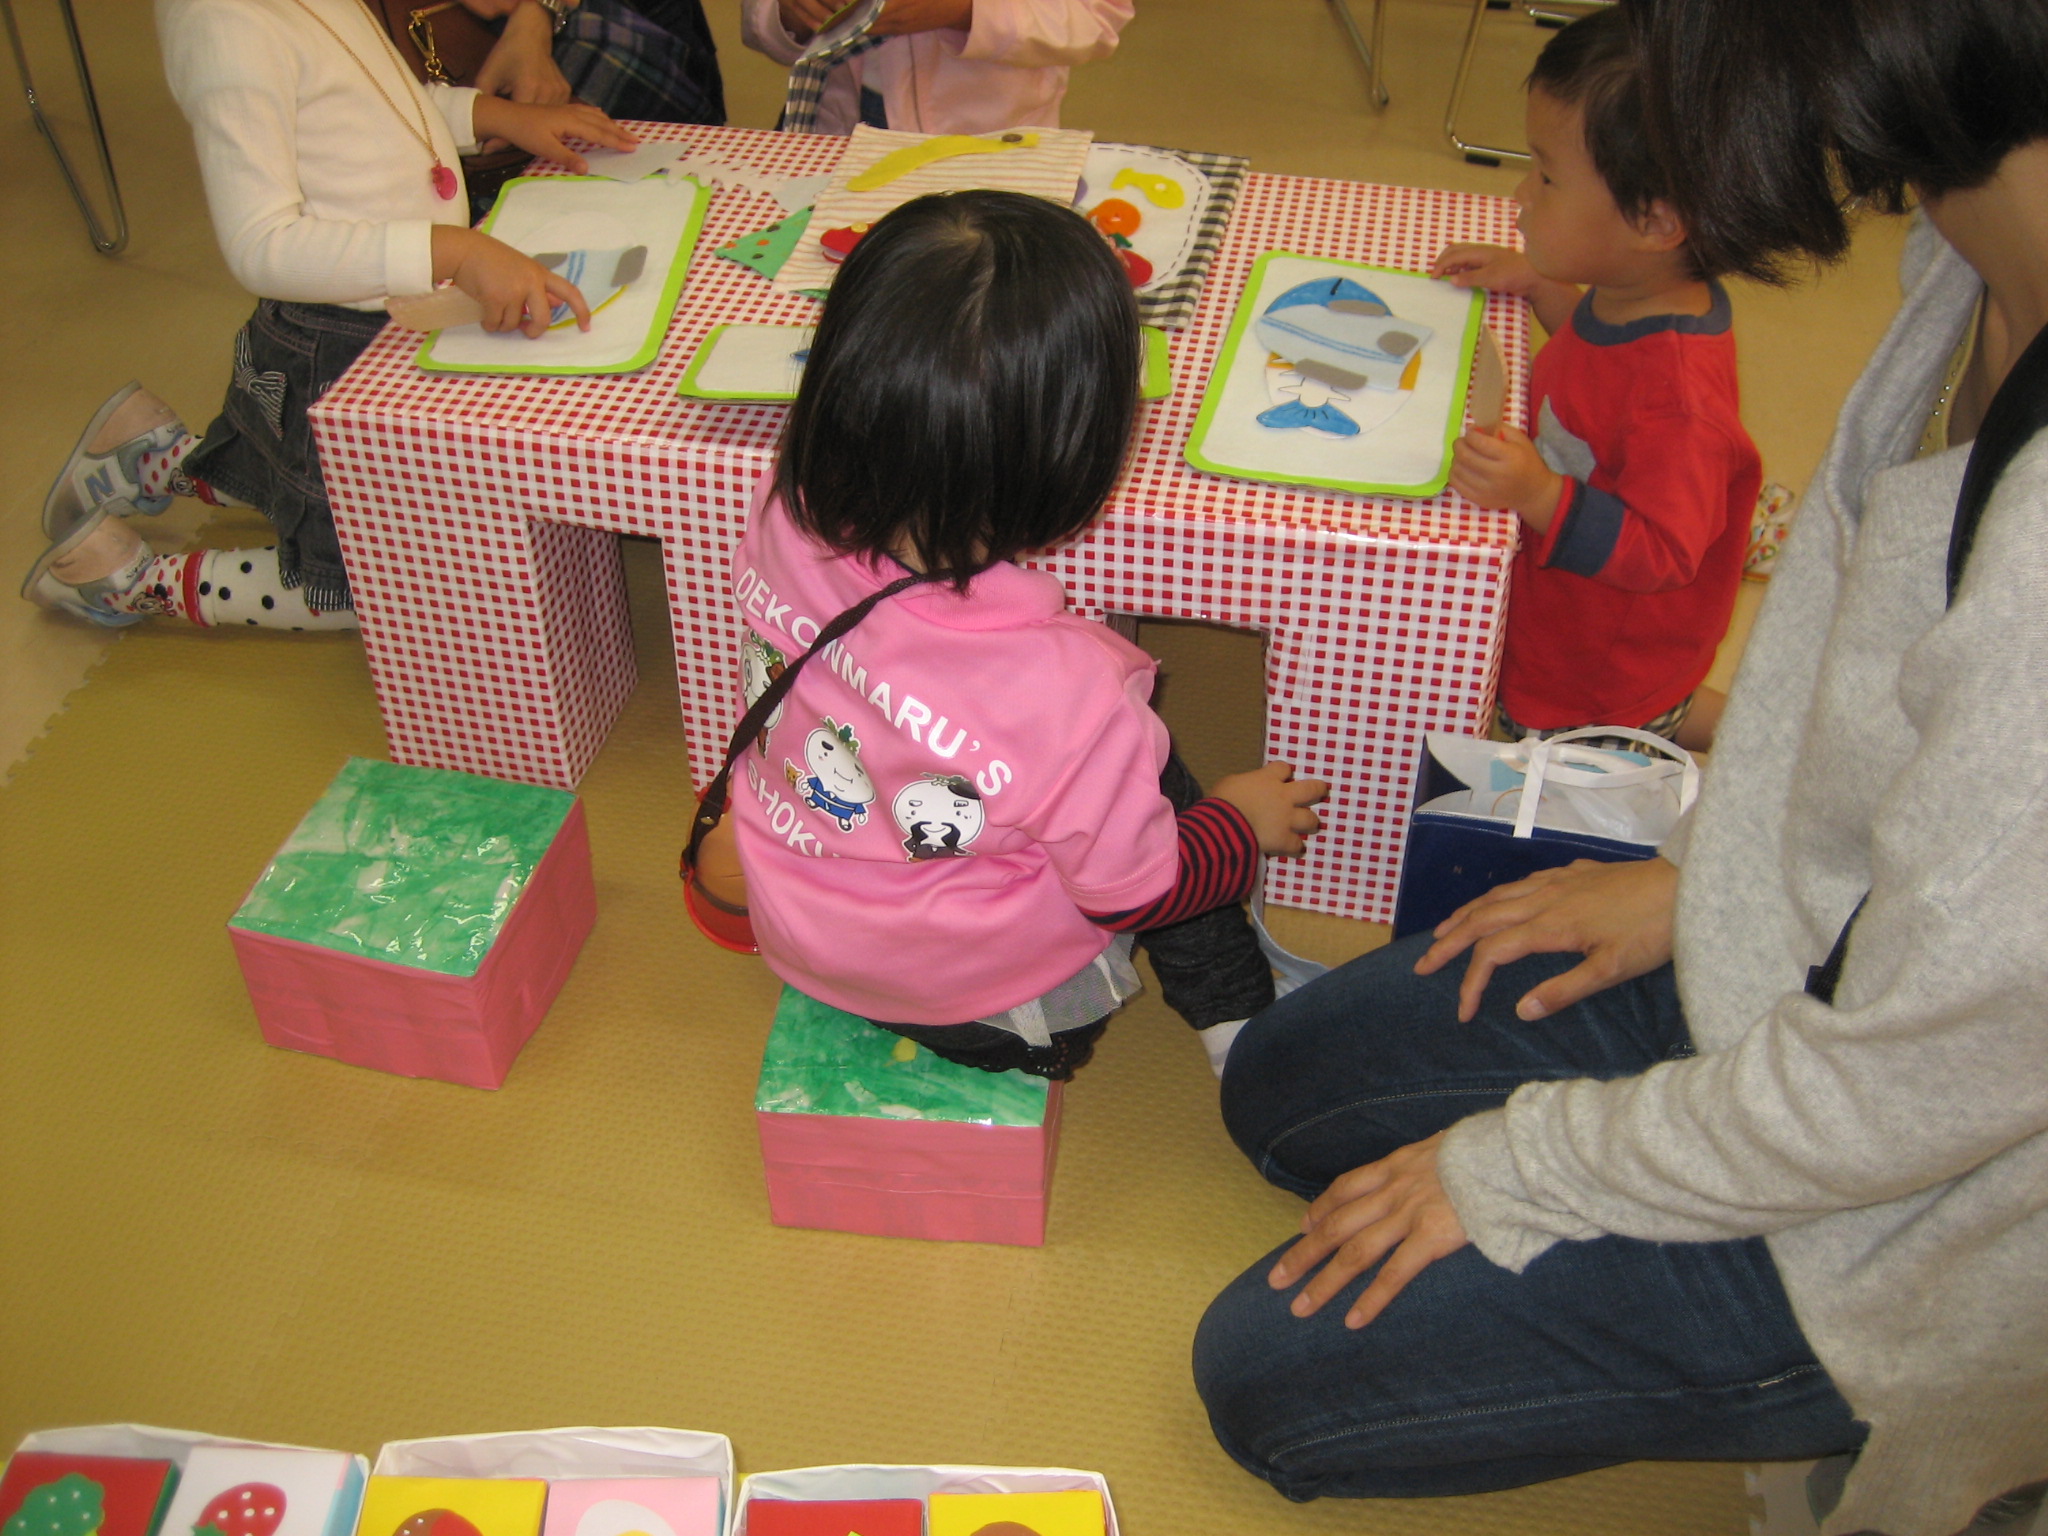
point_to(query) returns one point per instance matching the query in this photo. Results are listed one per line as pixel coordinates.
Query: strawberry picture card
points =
(233, 1490)
(1073, 1513)
(634, 1506)
(48, 1494)
(452, 1506)
(829, 1517)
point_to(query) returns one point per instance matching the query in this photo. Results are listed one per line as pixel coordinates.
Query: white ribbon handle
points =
(1549, 756)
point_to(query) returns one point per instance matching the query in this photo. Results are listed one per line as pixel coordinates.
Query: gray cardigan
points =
(1892, 1147)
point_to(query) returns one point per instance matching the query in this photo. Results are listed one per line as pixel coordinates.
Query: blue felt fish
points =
(602, 275)
(1342, 330)
(1323, 418)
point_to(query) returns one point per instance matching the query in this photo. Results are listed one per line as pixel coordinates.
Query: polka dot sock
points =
(228, 588)
(161, 472)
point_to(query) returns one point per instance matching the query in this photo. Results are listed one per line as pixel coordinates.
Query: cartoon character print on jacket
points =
(835, 782)
(940, 814)
(760, 664)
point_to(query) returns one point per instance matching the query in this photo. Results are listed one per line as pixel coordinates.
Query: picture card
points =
(1074, 1513)
(1341, 375)
(48, 1494)
(834, 1517)
(630, 240)
(230, 1490)
(452, 1506)
(634, 1506)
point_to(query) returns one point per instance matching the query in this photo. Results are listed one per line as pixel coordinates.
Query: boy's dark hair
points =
(1591, 65)
(971, 387)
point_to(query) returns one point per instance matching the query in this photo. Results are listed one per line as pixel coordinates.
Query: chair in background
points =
(1544, 13)
(1371, 53)
(105, 243)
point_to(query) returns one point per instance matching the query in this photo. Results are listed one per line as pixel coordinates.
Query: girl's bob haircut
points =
(970, 392)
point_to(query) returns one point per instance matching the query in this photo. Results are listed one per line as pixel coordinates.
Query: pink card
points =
(634, 1506)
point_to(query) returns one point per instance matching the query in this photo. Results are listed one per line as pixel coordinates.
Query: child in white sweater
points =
(334, 181)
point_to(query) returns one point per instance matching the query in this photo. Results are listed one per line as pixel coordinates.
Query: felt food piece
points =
(1344, 332)
(1487, 403)
(452, 1506)
(233, 1490)
(1076, 1513)
(1160, 191)
(839, 243)
(899, 163)
(47, 1494)
(1136, 267)
(1114, 216)
(602, 275)
(766, 250)
(828, 1517)
(634, 1506)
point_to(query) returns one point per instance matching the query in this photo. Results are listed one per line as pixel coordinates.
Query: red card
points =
(845, 1517)
(50, 1495)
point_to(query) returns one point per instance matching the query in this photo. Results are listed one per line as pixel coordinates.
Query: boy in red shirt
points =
(1636, 492)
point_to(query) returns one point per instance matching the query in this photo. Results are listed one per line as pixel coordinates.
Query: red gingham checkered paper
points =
(477, 516)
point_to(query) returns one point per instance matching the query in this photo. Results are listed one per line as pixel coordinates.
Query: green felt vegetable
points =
(71, 1506)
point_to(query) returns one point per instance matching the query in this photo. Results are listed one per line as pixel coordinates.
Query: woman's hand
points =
(1617, 915)
(1395, 1208)
(1503, 469)
(541, 130)
(1276, 804)
(517, 293)
(522, 65)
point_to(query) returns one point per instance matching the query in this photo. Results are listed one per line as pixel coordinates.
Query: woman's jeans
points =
(1475, 1378)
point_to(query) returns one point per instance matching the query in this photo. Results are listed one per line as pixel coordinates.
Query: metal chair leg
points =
(105, 244)
(1478, 154)
(1368, 54)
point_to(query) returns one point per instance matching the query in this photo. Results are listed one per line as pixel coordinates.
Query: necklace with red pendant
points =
(442, 177)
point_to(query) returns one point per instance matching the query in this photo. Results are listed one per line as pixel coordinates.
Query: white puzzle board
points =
(566, 213)
(1403, 445)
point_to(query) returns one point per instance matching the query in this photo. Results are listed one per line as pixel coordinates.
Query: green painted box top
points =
(820, 1061)
(418, 866)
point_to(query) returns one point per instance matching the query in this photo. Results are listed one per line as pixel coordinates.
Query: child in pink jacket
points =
(964, 809)
(949, 66)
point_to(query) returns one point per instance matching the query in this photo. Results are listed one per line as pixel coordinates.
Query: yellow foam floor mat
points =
(201, 1231)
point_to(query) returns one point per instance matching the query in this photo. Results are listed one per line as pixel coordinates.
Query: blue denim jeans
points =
(1475, 1378)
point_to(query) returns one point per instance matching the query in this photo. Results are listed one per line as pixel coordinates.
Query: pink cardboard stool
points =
(863, 1131)
(419, 921)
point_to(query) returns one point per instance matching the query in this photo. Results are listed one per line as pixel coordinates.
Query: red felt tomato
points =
(248, 1509)
(1114, 216)
(1138, 267)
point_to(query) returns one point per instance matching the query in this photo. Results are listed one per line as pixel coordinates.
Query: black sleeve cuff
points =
(1592, 527)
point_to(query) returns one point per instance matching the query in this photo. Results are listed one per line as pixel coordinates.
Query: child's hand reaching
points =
(516, 292)
(1504, 470)
(1493, 267)
(540, 130)
(1276, 803)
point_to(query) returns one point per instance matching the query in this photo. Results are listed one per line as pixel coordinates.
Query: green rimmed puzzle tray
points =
(1340, 375)
(586, 215)
(761, 363)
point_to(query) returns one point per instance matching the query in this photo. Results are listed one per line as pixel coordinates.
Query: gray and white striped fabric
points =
(833, 46)
(1172, 304)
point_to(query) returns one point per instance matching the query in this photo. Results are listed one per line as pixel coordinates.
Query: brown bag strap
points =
(711, 805)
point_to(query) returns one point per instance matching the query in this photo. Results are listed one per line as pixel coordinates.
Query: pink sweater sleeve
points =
(1040, 34)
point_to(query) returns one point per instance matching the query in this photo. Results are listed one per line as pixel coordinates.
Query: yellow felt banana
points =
(901, 162)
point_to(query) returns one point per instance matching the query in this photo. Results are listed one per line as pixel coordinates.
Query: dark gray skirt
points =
(260, 448)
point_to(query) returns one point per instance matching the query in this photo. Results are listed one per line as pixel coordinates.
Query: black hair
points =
(1591, 65)
(1776, 114)
(1931, 96)
(1731, 102)
(971, 388)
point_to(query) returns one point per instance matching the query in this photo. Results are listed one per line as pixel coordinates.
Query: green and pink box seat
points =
(864, 1131)
(418, 921)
